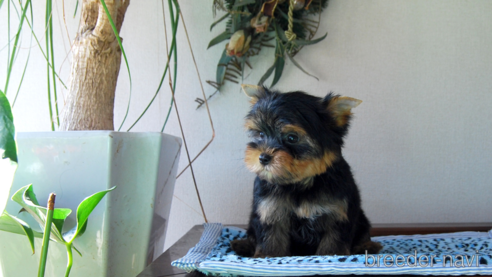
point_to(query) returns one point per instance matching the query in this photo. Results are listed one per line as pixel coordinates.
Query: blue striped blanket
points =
(463, 253)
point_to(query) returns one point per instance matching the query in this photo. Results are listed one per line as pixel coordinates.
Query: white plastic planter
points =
(127, 228)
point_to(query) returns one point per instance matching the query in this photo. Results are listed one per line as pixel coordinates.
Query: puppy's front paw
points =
(372, 247)
(324, 249)
(260, 254)
(243, 247)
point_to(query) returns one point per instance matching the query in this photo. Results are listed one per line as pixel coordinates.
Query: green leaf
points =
(280, 32)
(218, 21)
(279, 67)
(236, 22)
(8, 150)
(7, 130)
(221, 67)
(14, 225)
(220, 38)
(27, 199)
(7, 172)
(302, 42)
(69, 235)
(267, 74)
(279, 62)
(85, 208)
(59, 217)
(300, 67)
(76, 250)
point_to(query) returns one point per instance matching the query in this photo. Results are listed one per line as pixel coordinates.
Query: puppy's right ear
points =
(253, 92)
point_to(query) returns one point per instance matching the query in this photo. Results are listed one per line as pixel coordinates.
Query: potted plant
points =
(128, 227)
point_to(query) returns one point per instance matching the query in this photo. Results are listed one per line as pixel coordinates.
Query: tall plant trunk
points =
(95, 67)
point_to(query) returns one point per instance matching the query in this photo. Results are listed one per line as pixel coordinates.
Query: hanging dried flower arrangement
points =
(254, 24)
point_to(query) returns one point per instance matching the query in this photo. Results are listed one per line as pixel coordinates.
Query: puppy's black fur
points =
(305, 199)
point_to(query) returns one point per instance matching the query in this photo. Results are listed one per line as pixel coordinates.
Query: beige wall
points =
(420, 144)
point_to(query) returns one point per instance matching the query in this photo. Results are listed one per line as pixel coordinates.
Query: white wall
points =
(420, 143)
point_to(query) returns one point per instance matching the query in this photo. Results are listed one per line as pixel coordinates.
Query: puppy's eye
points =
(257, 134)
(291, 138)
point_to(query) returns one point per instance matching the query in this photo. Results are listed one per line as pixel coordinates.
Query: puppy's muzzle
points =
(265, 159)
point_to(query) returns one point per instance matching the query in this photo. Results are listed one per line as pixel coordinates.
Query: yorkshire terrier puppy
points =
(305, 198)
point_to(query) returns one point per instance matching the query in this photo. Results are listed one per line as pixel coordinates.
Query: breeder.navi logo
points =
(420, 260)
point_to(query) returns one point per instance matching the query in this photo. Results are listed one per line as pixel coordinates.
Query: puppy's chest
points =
(276, 208)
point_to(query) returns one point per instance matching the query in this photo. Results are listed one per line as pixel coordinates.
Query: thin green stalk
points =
(8, 28)
(69, 258)
(7, 45)
(76, 7)
(18, 17)
(53, 63)
(46, 236)
(47, 38)
(27, 62)
(42, 52)
(37, 42)
(173, 48)
(174, 28)
(17, 36)
(171, 51)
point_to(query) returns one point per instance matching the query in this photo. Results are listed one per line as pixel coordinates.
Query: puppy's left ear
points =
(254, 92)
(340, 107)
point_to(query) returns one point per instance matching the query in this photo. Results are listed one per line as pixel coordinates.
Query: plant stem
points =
(46, 236)
(16, 45)
(52, 55)
(70, 258)
(174, 25)
(47, 35)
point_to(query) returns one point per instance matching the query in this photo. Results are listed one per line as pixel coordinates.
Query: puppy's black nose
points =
(265, 159)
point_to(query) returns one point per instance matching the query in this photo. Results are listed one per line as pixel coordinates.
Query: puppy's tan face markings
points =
(289, 128)
(284, 168)
(300, 170)
(249, 125)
